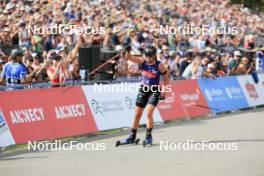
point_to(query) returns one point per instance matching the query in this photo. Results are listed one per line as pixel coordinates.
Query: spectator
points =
(260, 61)
(243, 67)
(122, 65)
(36, 41)
(37, 67)
(14, 73)
(29, 62)
(164, 55)
(56, 71)
(172, 64)
(196, 68)
(2, 62)
(210, 71)
(220, 69)
(74, 69)
(133, 68)
(233, 62)
(24, 38)
(131, 22)
(185, 62)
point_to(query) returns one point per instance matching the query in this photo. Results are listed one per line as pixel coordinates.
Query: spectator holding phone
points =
(56, 71)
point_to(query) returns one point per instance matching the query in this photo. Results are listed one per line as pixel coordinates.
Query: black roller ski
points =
(126, 142)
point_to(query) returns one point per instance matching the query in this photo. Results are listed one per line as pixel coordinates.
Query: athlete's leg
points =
(137, 116)
(150, 108)
(141, 101)
(149, 112)
(135, 123)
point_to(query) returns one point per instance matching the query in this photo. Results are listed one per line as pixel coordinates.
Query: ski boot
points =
(147, 141)
(129, 140)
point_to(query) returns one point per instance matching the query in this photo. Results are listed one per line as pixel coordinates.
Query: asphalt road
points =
(244, 132)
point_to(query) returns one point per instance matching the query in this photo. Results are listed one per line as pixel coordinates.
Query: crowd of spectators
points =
(54, 57)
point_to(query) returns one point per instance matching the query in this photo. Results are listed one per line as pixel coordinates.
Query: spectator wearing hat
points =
(233, 62)
(211, 69)
(14, 73)
(122, 66)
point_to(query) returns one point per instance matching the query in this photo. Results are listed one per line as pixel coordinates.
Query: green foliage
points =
(257, 5)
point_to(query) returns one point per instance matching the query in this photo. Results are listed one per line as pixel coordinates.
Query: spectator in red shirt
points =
(56, 72)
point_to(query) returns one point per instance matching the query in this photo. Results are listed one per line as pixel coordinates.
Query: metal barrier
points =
(69, 83)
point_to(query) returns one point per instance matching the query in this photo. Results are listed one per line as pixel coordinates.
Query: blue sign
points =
(223, 94)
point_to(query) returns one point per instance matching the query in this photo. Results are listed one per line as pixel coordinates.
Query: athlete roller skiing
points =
(149, 94)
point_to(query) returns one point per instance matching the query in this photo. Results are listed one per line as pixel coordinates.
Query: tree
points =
(257, 5)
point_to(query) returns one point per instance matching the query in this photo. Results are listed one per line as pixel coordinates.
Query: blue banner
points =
(223, 94)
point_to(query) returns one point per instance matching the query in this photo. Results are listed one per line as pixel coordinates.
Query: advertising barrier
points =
(223, 94)
(41, 114)
(254, 92)
(261, 80)
(185, 100)
(5, 135)
(191, 98)
(46, 113)
(112, 105)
